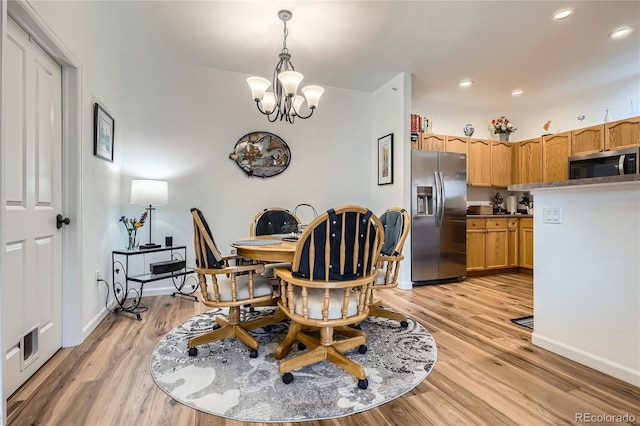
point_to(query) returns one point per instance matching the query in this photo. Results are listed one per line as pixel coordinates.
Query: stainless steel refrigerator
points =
(438, 216)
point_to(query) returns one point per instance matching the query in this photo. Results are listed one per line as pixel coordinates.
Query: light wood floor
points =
(487, 371)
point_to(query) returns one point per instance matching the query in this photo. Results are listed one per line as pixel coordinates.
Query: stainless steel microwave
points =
(608, 163)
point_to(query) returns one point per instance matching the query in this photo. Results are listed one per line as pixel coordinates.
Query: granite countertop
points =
(480, 216)
(574, 182)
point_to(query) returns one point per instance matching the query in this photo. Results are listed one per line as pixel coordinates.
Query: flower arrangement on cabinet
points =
(132, 225)
(502, 125)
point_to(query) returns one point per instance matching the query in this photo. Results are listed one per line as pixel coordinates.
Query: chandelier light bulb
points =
(268, 102)
(258, 86)
(284, 102)
(313, 93)
(290, 81)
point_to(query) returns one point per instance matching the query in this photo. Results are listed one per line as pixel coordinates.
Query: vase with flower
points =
(132, 225)
(503, 127)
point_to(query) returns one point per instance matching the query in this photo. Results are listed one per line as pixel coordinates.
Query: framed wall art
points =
(385, 159)
(103, 126)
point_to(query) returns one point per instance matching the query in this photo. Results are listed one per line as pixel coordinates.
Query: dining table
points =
(266, 248)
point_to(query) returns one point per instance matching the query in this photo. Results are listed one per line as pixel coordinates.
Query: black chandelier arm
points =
(305, 116)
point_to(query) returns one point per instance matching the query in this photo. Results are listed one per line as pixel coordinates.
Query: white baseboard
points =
(594, 361)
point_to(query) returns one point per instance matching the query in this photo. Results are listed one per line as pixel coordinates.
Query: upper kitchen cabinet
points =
(457, 144)
(527, 162)
(479, 162)
(588, 140)
(556, 150)
(501, 163)
(622, 134)
(433, 142)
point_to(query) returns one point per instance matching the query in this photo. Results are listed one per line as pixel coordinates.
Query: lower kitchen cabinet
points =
(526, 243)
(476, 241)
(499, 243)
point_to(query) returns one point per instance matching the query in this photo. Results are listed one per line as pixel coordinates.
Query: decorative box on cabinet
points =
(588, 140)
(556, 150)
(622, 134)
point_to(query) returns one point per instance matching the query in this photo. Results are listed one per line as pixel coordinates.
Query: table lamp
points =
(149, 193)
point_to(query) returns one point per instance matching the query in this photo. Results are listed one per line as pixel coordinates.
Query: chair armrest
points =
(255, 267)
(386, 258)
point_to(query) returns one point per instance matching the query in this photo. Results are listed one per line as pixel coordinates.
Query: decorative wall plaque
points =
(261, 154)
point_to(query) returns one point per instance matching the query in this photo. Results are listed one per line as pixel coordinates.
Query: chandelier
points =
(283, 102)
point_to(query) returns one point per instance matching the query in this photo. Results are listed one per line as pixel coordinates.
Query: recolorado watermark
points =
(605, 418)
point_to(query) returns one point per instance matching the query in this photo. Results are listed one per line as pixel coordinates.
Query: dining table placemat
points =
(256, 242)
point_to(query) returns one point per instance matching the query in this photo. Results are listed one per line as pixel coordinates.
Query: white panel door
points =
(32, 176)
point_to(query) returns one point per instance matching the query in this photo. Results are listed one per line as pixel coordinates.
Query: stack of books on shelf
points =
(420, 124)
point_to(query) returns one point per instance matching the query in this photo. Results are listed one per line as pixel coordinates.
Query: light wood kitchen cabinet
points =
(497, 244)
(588, 140)
(432, 142)
(457, 144)
(501, 163)
(479, 162)
(476, 242)
(527, 156)
(622, 134)
(555, 156)
(513, 226)
(525, 243)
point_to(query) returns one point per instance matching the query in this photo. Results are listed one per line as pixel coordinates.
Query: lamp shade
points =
(149, 192)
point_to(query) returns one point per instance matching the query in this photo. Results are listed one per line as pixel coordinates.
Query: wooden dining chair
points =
(328, 288)
(396, 223)
(225, 286)
(273, 220)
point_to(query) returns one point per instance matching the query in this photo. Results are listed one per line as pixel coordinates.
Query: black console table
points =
(121, 278)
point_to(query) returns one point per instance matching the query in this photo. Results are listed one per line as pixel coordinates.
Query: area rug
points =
(524, 321)
(223, 380)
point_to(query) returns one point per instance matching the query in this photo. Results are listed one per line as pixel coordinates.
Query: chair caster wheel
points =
(362, 384)
(193, 351)
(301, 346)
(404, 324)
(288, 378)
(253, 353)
(362, 349)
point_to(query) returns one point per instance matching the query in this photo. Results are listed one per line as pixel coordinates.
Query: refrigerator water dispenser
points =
(424, 200)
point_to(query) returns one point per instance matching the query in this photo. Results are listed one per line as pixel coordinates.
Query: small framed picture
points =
(385, 159)
(102, 134)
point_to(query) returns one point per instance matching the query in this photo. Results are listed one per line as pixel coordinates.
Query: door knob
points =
(60, 221)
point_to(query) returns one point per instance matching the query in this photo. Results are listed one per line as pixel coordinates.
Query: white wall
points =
(179, 123)
(391, 109)
(587, 285)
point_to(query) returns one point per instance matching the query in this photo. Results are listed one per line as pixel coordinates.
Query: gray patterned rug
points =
(223, 380)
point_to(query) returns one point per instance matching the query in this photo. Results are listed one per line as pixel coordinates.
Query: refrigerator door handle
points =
(439, 197)
(443, 197)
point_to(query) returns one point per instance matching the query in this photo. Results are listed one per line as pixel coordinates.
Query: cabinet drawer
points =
(526, 222)
(476, 223)
(497, 223)
(513, 223)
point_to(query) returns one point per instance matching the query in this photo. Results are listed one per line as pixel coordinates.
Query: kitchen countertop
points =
(575, 182)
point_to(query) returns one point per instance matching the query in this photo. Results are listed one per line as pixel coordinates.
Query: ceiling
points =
(500, 45)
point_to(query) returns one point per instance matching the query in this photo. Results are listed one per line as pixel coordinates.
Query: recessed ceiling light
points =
(466, 83)
(621, 33)
(563, 14)
(517, 92)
